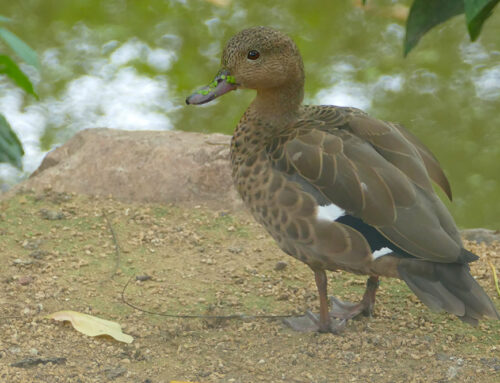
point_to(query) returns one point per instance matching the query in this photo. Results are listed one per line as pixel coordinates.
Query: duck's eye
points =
(253, 55)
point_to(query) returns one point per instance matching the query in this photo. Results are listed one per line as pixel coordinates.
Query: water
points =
(129, 65)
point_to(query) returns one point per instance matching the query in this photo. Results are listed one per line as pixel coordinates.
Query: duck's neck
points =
(278, 106)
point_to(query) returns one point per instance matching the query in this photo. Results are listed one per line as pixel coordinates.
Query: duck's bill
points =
(221, 84)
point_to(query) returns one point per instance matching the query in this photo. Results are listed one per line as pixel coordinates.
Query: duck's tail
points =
(449, 287)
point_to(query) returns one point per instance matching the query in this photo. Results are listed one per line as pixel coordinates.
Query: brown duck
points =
(338, 189)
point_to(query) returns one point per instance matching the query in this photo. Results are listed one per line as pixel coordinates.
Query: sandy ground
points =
(57, 252)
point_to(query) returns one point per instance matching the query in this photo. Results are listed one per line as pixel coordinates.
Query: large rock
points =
(147, 166)
(481, 235)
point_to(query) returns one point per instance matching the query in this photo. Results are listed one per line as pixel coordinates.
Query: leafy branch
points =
(426, 14)
(11, 150)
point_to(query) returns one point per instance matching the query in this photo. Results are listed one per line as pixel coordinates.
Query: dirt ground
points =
(58, 252)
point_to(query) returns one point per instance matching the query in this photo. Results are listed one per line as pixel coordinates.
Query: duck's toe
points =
(311, 323)
(347, 310)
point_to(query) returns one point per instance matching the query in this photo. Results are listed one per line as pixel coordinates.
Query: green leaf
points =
(10, 68)
(426, 14)
(4, 19)
(11, 150)
(476, 13)
(22, 49)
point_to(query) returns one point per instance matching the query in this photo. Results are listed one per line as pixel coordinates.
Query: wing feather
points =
(378, 172)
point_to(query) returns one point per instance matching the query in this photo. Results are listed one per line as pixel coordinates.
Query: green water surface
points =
(447, 91)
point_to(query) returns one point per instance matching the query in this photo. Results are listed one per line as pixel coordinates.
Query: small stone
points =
(39, 197)
(113, 373)
(441, 356)
(22, 262)
(31, 244)
(38, 254)
(280, 265)
(33, 351)
(142, 278)
(51, 215)
(15, 350)
(452, 372)
(25, 280)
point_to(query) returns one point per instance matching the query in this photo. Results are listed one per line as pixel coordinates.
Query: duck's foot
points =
(311, 323)
(335, 320)
(347, 310)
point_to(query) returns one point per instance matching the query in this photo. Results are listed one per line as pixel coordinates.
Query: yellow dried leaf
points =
(91, 325)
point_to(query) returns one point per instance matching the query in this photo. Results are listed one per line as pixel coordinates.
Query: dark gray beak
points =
(221, 84)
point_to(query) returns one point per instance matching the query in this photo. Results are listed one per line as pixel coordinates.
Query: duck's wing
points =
(367, 126)
(374, 172)
(430, 161)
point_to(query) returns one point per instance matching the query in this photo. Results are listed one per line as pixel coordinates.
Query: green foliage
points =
(11, 150)
(426, 14)
(11, 70)
(476, 13)
(20, 47)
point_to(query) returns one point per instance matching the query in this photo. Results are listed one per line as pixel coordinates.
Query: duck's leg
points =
(310, 321)
(346, 310)
(324, 316)
(340, 310)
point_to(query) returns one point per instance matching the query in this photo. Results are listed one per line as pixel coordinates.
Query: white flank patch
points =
(329, 213)
(380, 252)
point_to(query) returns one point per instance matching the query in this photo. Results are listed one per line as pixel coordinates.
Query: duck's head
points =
(258, 58)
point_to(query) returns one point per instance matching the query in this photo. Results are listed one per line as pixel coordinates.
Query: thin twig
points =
(115, 242)
(191, 316)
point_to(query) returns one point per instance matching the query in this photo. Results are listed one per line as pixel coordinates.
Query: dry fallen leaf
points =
(91, 325)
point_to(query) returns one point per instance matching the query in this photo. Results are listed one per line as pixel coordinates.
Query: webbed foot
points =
(311, 323)
(335, 320)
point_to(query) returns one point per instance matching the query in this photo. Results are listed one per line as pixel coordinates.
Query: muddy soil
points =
(67, 252)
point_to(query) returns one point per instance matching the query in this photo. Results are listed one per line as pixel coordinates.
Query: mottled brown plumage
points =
(338, 189)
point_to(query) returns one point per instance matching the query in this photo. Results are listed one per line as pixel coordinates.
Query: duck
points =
(340, 190)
